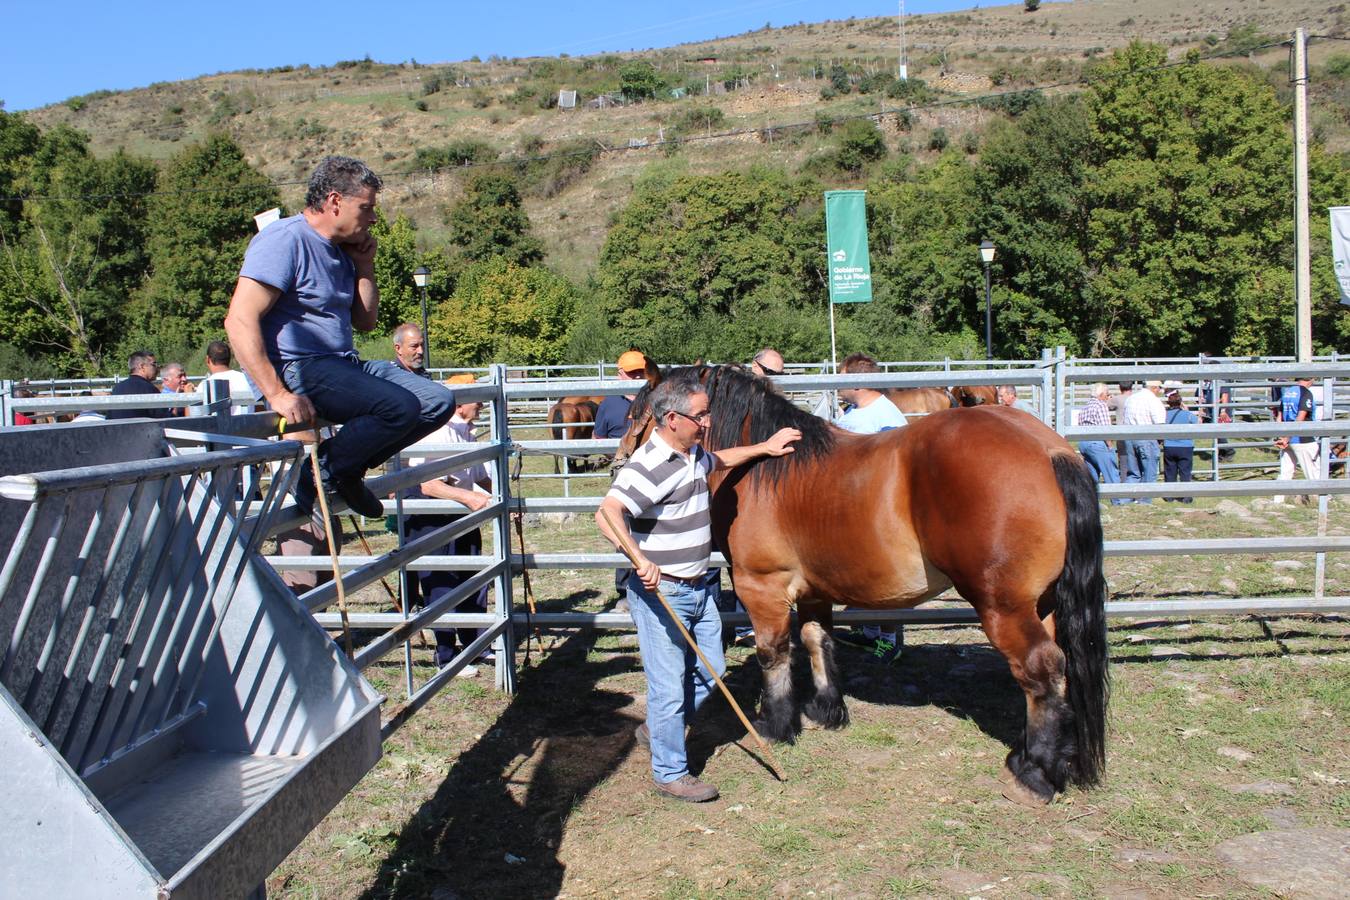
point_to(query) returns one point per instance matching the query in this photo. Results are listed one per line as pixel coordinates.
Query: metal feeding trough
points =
(172, 721)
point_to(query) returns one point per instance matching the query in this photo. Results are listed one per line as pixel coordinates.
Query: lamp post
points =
(987, 254)
(420, 276)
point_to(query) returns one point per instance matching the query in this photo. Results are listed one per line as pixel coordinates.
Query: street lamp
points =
(420, 276)
(987, 254)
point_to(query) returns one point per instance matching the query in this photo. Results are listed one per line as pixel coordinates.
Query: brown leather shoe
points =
(687, 788)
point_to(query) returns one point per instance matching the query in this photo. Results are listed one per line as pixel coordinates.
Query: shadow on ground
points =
(513, 792)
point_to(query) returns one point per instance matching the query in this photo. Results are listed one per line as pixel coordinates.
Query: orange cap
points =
(461, 378)
(632, 361)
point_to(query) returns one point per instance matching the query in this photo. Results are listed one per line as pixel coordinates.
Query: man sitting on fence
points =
(306, 282)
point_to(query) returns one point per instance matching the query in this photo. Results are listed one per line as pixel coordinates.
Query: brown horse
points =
(922, 401)
(572, 419)
(983, 499)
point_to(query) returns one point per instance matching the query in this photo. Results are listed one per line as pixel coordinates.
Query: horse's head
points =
(975, 395)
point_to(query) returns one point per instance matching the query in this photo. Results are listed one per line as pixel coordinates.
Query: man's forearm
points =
(366, 309)
(732, 457)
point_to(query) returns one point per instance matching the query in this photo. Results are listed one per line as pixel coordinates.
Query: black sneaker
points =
(885, 652)
(358, 497)
(855, 636)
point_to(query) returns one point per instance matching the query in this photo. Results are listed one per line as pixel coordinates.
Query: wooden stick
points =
(629, 552)
(332, 548)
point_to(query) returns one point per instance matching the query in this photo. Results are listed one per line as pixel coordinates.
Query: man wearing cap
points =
(661, 496)
(1297, 404)
(307, 281)
(1143, 408)
(611, 419)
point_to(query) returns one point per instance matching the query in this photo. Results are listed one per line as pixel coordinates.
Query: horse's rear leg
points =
(827, 707)
(770, 614)
(1041, 763)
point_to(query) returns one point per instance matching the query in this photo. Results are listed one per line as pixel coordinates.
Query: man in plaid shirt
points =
(1098, 455)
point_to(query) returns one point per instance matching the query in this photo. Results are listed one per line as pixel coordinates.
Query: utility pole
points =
(904, 67)
(1302, 266)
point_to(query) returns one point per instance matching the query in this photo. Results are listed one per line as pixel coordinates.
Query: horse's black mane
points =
(735, 395)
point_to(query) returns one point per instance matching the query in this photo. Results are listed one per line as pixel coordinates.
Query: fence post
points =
(501, 534)
(6, 409)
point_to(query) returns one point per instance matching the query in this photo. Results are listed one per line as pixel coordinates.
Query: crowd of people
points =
(1157, 403)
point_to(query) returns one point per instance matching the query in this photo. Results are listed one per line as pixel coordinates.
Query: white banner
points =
(1340, 248)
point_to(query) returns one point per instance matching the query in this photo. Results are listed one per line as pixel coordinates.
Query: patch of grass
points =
(782, 839)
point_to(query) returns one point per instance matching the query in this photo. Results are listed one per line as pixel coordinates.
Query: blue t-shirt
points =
(317, 280)
(611, 419)
(879, 415)
(1295, 398)
(1180, 417)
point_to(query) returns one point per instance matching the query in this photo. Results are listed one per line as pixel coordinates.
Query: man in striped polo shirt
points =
(661, 498)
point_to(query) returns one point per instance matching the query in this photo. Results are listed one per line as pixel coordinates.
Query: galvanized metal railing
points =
(104, 637)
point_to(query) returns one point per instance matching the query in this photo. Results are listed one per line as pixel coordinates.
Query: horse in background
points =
(889, 520)
(572, 419)
(922, 401)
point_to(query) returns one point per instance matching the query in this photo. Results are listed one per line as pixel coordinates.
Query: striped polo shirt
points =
(667, 495)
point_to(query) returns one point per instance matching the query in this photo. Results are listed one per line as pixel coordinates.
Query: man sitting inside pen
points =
(306, 282)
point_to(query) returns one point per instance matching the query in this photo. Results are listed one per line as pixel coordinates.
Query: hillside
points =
(286, 118)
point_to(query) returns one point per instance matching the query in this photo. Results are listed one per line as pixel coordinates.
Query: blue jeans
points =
(1143, 460)
(1103, 461)
(677, 682)
(381, 406)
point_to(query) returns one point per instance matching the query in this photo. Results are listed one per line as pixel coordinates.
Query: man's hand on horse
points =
(780, 443)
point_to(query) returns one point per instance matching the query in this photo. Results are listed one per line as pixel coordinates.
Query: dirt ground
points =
(1217, 730)
(1220, 731)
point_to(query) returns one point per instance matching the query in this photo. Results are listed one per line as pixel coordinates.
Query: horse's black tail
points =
(1080, 616)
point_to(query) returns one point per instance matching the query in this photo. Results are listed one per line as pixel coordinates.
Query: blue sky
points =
(55, 49)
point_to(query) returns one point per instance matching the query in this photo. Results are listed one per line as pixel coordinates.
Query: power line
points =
(1082, 81)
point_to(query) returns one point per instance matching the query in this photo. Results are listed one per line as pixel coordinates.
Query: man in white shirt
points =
(472, 487)
(1143, 408)
(218, 369)
(872, 412)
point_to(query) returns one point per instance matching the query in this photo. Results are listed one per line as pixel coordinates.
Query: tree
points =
(490, 221)
(504, 312)
(76, 254)
(639, 80)
(1186, 236)
(200, 223)
(860, 143)
(1029, 188)
(696, 263)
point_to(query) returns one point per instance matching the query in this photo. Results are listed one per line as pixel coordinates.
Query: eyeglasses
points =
(635, 374)
(702, 418)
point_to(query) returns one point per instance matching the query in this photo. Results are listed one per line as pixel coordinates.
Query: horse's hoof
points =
(1019, 793)
(767, 731)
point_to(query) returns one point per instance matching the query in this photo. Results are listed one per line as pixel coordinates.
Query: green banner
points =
(846, 244)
